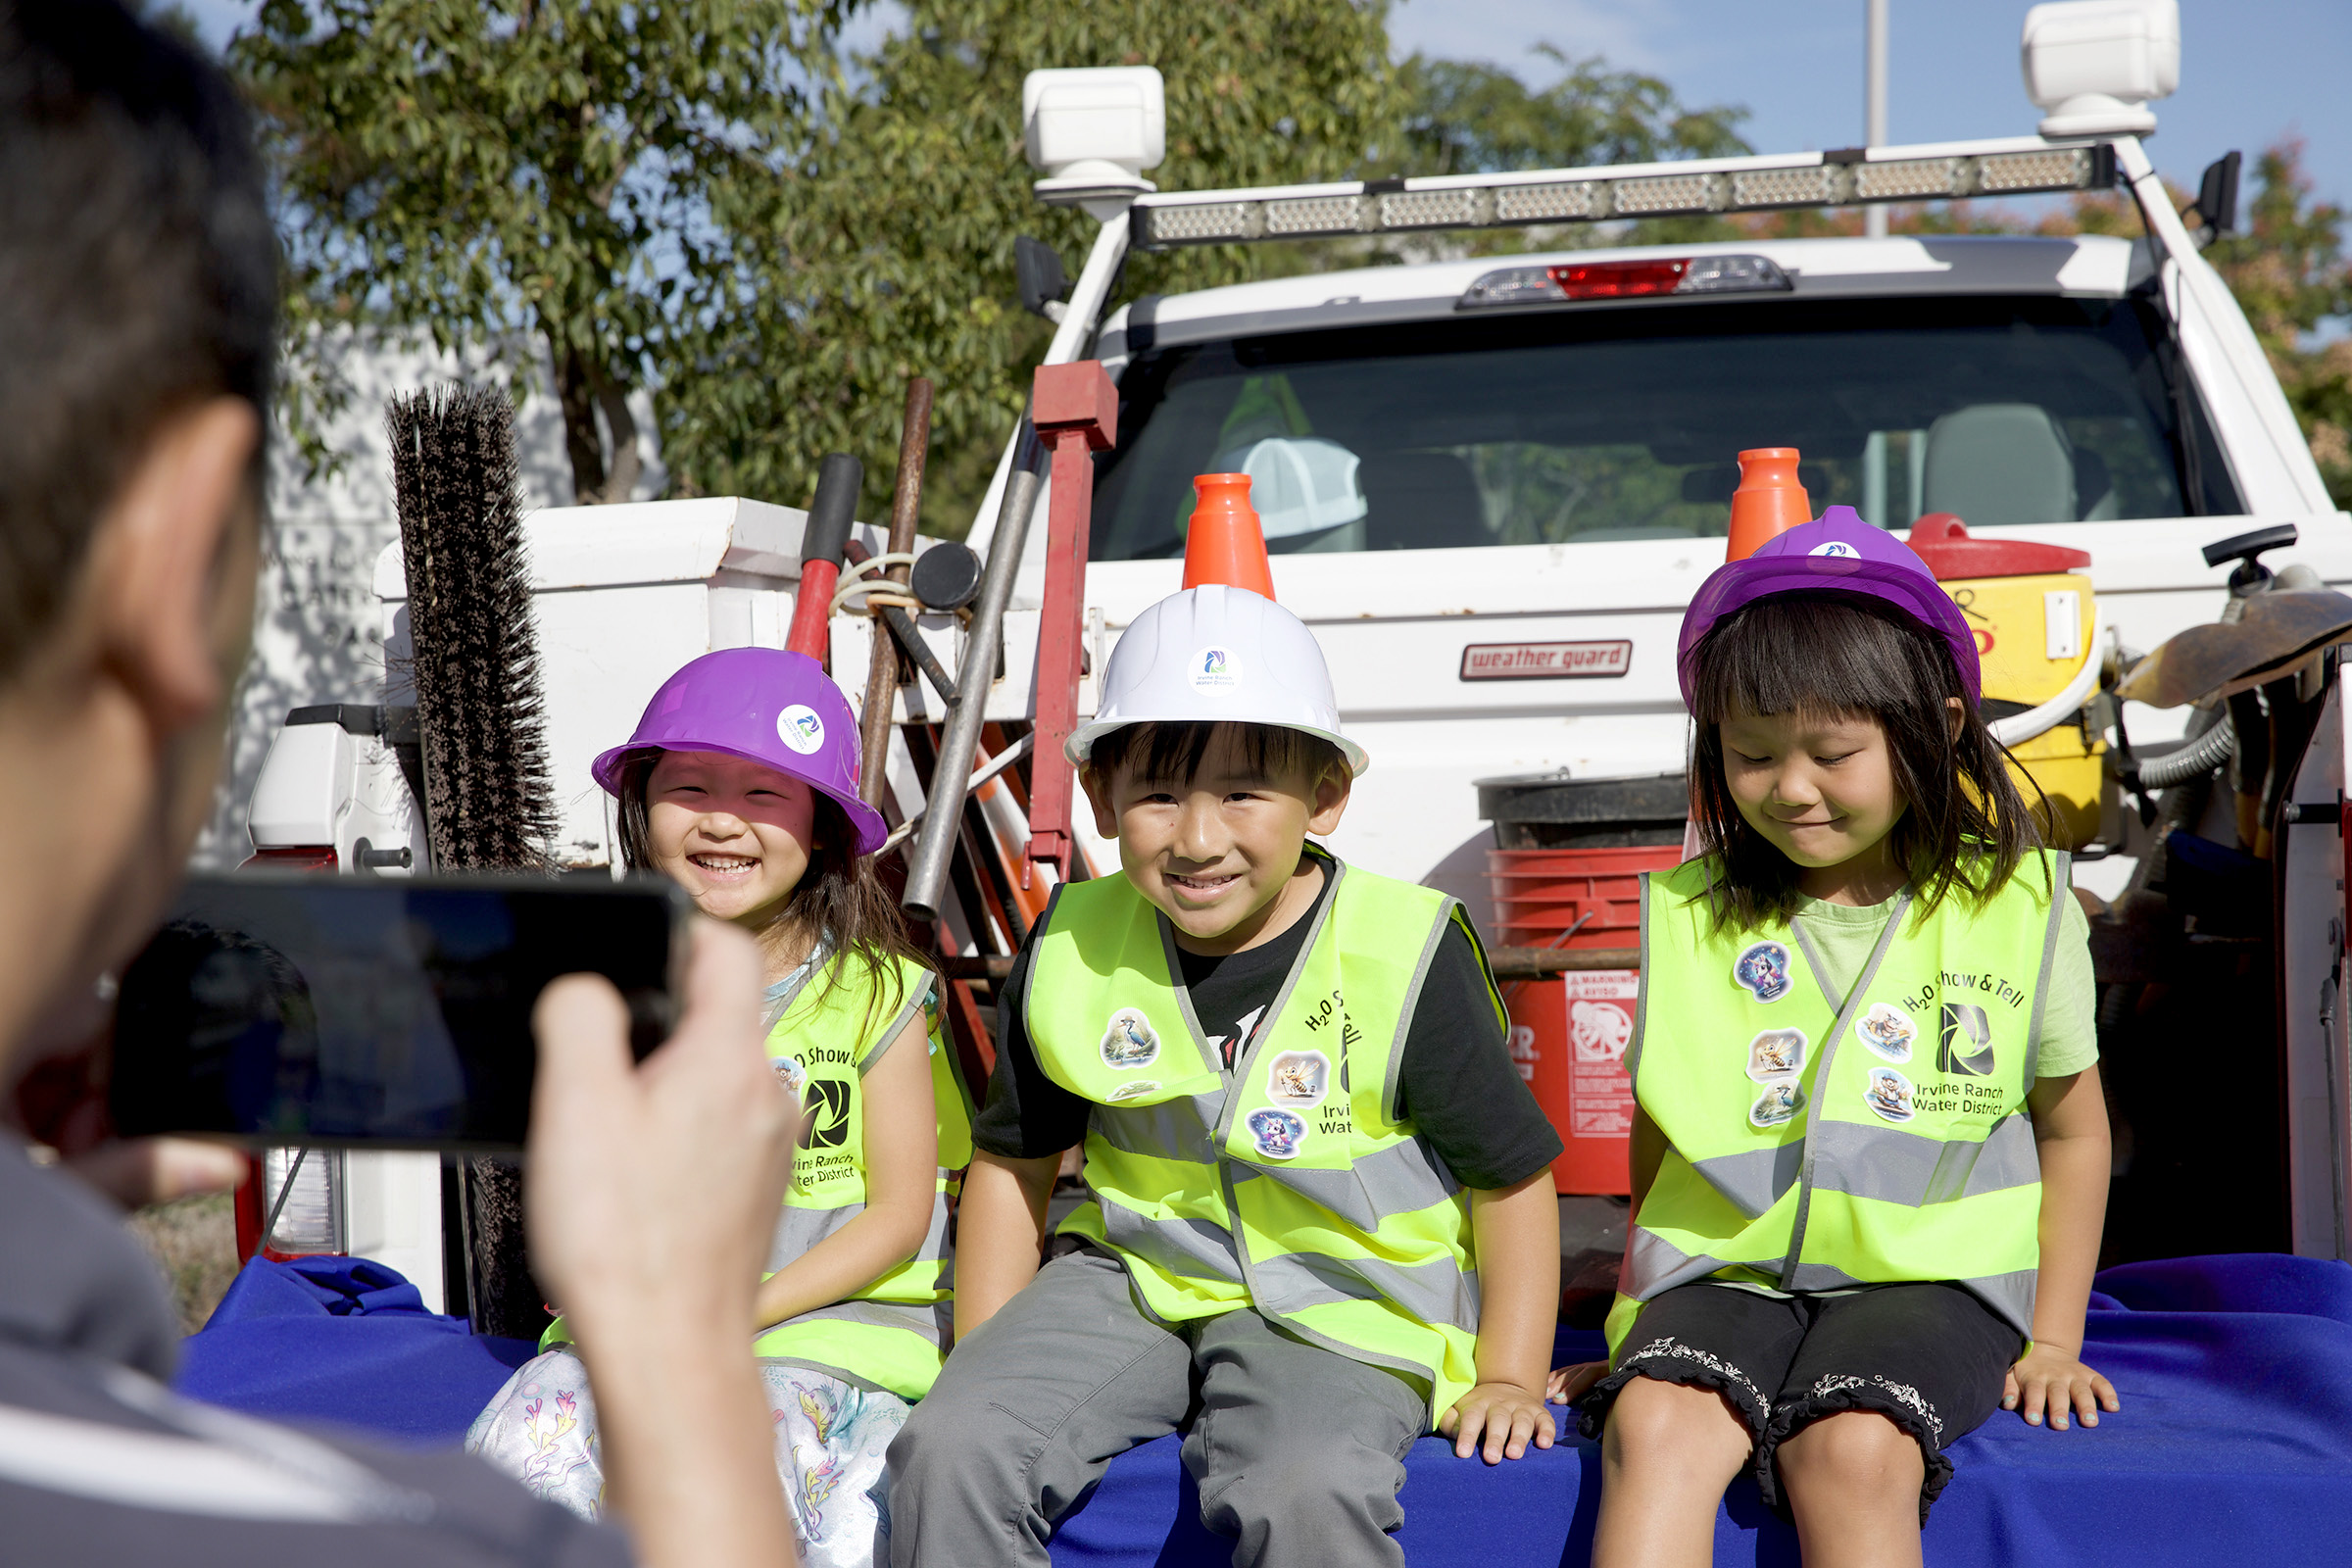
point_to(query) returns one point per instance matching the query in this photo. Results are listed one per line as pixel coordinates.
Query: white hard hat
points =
(1216, 654)
(1298, 486)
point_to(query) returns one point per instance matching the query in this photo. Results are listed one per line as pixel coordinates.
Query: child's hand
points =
(2049, 1375)
(1567, 1383)
(1506, 1413)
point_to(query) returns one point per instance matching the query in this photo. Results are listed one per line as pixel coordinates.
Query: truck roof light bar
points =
(1845, 178)
(1572, 282)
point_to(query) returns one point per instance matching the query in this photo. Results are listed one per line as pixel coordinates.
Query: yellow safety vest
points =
(1288, 1183)
(1820, 1141)
(894, 1334)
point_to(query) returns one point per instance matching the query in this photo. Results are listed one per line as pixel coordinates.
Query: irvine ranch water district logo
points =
(1547, 660)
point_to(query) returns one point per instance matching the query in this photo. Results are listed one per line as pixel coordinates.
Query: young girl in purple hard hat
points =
(1870, 1156)
(741, 786)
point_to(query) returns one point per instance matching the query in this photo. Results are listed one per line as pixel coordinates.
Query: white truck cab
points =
(1492, 485)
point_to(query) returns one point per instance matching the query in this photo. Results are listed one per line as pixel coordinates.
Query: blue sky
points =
(2251, 70)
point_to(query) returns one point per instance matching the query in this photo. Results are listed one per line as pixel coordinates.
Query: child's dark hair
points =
(1843, 655)
(1173, 752)
(836, 899)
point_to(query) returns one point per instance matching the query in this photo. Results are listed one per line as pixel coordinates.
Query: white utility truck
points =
(1491, 483)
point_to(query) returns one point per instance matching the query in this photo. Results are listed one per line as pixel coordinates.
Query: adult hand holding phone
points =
(651, 1196)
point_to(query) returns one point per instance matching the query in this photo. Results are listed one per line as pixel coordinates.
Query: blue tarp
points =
(2234, 1440)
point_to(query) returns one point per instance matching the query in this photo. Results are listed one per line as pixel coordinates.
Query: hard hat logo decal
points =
(798, 728)
(1215, 669)
(1836, 547)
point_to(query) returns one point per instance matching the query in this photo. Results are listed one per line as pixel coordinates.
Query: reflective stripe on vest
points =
(1288, 1184)
(893, 1333)
(1819, 1141)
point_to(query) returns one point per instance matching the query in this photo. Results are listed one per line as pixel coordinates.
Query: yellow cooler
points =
(2030, 606)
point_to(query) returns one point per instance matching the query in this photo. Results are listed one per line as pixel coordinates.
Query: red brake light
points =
(1617, 280)
(296, 858)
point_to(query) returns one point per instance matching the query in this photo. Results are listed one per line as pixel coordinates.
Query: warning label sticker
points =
(1547, 660)
(1601, 1025)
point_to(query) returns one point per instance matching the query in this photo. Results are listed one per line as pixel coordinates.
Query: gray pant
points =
(1298, 1451)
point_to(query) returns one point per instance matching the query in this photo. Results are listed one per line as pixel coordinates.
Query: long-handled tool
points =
(489, 791)
(831, 514)
(905, 505)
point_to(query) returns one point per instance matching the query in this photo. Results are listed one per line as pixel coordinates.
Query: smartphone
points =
(382, 1012)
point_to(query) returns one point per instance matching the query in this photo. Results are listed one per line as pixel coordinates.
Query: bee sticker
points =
(1762, 970)
(1885, 1031)
(1134, 1089)
(1889, 1095)
(1128, 1041)
(1277, 1134)
(1298, 1078)
(1777, 1105)
(1776, 1053)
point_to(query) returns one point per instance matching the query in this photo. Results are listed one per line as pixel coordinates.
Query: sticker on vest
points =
(1889, 1095)
(1776, 1105)
(790, 1073)
(1885, 1030)
(1776, 1053)
(1967, 1047)
(1128, 1041)
(1762, 970)
(1277, 1134)
(828, 1109)
(1298, 1078)
(1133, 1090)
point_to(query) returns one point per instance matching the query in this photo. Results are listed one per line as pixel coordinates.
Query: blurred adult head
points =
(139, 279)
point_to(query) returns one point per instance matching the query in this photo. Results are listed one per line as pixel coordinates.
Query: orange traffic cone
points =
(1769, 501)
(1224, 542)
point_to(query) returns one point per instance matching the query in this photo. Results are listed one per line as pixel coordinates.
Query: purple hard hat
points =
(765, 706)
(1838, 554)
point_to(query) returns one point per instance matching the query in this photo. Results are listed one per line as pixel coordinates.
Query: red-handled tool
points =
(826, 535)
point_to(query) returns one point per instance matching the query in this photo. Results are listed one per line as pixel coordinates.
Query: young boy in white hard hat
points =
(1323, 1216)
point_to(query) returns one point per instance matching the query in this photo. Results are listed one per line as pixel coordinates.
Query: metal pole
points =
(928, 868)
(935, 845)
(1874, 109)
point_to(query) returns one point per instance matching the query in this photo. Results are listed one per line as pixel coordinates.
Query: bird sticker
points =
(1129, 1042)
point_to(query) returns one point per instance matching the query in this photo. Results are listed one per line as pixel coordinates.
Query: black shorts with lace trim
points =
(1929, 1357)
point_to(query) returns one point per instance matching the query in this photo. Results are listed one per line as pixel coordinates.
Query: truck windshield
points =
(1584, 427)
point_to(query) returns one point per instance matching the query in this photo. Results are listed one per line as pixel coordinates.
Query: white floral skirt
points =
(831, 1437)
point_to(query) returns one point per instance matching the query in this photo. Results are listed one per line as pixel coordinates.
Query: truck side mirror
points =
(1038, 268)
(2216, 196)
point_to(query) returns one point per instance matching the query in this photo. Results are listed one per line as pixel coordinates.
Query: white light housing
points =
(2093, 65)
(1094, 133)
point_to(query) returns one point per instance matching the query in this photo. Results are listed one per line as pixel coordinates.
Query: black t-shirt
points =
(1456, 1082)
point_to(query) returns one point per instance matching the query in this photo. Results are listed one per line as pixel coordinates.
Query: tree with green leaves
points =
(1465, 117)
(2288, 270)
(886, 251)
(483, 169)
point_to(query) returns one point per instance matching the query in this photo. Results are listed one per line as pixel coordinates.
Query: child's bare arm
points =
(1567, 1383)
(2070, 1133)
(1000, 1231)
(899, 1124)
(1517, 1231)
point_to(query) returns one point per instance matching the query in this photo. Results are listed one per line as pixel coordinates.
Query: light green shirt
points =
(1843, 936)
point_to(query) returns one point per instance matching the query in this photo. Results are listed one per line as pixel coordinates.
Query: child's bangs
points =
(1174, 754)
(1823, 655)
